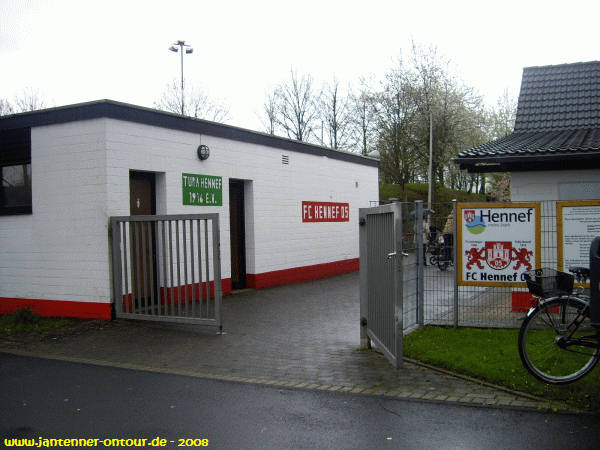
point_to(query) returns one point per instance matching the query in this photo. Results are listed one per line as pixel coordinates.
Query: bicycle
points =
(557, 342)
(441, 252)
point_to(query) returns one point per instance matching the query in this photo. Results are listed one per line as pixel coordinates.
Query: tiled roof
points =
(559, 97)
(539, 142)
(558, 118)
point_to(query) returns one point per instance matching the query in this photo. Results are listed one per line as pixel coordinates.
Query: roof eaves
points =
(139, 114)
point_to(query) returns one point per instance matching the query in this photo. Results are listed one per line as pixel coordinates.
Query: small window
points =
(15, 192)
(15, 171)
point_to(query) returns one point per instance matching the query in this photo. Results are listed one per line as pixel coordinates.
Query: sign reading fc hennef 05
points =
(497, 242)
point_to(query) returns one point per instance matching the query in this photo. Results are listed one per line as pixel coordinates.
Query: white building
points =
(66, 171)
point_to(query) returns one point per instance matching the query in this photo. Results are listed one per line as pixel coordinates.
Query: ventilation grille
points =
(285, 159)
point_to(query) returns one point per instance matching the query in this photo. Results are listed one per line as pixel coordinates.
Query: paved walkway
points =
(303, 335)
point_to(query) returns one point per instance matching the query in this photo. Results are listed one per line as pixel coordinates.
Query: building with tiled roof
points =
(555, 146)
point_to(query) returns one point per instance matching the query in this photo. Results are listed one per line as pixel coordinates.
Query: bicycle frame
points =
(591, 341)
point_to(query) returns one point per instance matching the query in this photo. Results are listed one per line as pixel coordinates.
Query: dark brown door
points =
(141, 194)
(237, 233)
(142, 202)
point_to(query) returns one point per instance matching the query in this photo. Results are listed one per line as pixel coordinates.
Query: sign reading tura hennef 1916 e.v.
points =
(497, 242)
(201, 190)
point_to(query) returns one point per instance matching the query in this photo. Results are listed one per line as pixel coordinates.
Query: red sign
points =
(469, 215)
(498, 254)
(325, 212)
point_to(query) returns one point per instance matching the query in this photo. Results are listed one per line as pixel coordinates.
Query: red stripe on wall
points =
(95, 310)
(65, 308)
(57, 308)
(299, 274)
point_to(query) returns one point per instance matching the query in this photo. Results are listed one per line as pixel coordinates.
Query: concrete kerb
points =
(530, 403)
(551, 405)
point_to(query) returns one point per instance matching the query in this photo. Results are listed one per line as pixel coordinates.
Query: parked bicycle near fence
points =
(558, 342)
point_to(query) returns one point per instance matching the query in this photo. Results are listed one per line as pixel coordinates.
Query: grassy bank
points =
(24, 321)
(492, 355)
(418, 191)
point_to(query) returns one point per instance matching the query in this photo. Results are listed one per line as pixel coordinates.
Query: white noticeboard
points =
(497, 243)
(577, 223)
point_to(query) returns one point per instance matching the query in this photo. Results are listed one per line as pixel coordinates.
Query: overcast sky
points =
(79, 50)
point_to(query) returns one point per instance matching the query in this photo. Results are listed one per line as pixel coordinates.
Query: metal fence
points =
(167, 268)
(438, 299)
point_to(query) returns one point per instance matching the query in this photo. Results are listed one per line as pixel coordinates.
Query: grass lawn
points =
(492, 355)
(24, 321)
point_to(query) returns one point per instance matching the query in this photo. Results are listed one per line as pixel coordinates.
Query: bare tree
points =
(30, 100)
(335, 117)
(5, 107)
(196, 103)
(362, 121)
(270, 109)
(297, 112)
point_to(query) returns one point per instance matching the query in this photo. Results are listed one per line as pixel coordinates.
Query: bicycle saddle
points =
(581, 273)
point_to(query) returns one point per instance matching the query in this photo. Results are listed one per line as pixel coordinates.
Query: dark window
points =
(15, 171)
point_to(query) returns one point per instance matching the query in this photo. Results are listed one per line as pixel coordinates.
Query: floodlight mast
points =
(188, 50)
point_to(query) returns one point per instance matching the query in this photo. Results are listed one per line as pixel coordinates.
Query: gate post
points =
(117, 281)
(454, 258)
(420, 250)
(365, 342)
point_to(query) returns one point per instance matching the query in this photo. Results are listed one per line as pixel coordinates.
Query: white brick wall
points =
(80, 177)
(276, 238)
(545, 185)
(60, 251)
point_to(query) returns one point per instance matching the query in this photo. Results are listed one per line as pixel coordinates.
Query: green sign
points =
(201, 190)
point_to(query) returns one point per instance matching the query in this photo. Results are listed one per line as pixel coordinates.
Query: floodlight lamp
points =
(189, 50)
(173, 48)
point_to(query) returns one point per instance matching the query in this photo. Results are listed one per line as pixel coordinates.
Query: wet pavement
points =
(304, 335)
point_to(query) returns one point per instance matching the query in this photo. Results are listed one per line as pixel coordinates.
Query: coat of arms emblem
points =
(498, 254)
(469, 215)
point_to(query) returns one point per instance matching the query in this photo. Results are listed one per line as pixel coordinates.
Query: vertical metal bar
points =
(137, 266)
(207, 265)
(172, 280)
(456, 268)
(126, 256)
(165, 282)
(115, 234)
(200, 285)
(192, 272)
(159, 273)
(365, 342)
(217, 270)
(185, 272)
(398, 286)
(420, 250)
(144, 266)
(152, 236)
(178, 267)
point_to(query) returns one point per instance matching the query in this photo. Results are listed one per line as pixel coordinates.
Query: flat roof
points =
(138, 114)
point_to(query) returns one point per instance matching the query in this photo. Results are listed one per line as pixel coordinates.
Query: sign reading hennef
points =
(497, 243)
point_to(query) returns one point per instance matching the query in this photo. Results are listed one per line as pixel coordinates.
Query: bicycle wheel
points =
(550, 341)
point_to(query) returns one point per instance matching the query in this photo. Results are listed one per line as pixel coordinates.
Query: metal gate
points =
(167, 268)
(381, 251)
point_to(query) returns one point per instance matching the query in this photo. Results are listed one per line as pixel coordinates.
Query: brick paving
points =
(302, 336)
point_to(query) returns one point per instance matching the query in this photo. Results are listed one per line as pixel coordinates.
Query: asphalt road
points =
(53, 399)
